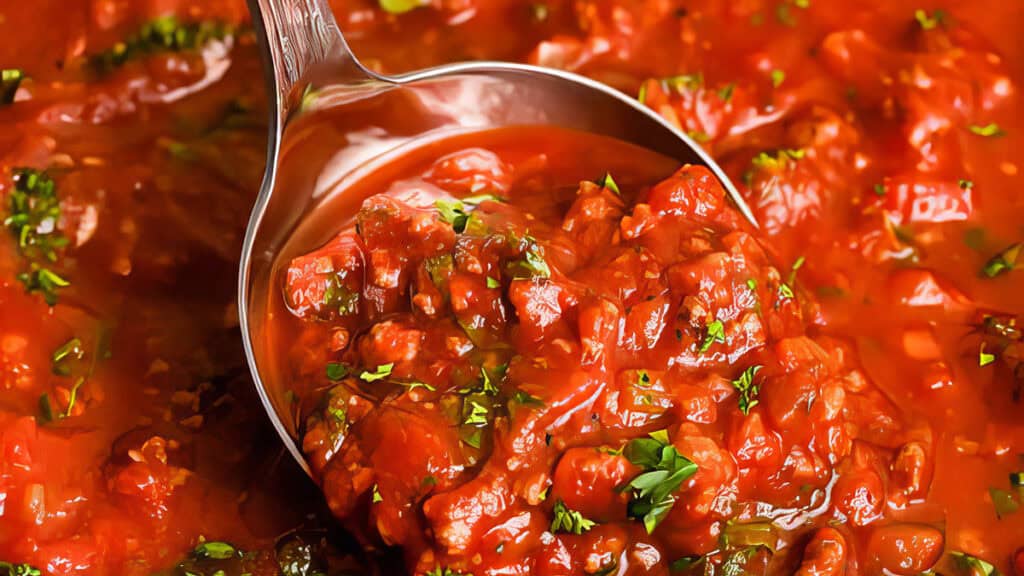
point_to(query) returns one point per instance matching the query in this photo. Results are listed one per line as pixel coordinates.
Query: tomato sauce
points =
(877, 143)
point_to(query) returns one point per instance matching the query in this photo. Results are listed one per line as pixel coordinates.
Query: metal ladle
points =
(306, 54)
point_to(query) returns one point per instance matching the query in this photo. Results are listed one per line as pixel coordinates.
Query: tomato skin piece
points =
(825, 554)
(586, 480)
(904, 549)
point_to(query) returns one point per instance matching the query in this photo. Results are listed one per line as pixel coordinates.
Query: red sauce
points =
(891, 174)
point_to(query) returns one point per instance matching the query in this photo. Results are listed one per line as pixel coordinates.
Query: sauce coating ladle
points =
(306, 58)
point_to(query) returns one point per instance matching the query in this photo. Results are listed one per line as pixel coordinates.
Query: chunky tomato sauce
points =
(573, 374)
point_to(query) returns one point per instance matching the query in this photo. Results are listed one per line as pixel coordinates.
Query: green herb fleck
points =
(781, 159)
(476, 415)
(975, 566)
(383, 371)
(930, 21)
(609, 183)
(715, 332)
(215, 551)
(747, 390)
(400, 6)
(33, 214)
(493, 282)
(1003, 261)
(778, 77)
(376, 495)
(43, 281)
(337, 371)
(1004, 501)
(991, 130)
(62, 356)
(10, 79)
(414, 385)
(164, 34)
(569, 521)
(725, 92)
(965, 184)
(526, 399)
(454, 213)
(9, 569)
(985, 358)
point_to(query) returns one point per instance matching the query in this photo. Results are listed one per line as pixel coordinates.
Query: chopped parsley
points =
(400, 6)
(336, 371)
(785, 291)
(715, 332)
(475, 413)
(376, 495)
(33, 214)
(493, 282)
(45, 409)
(61, 358)
(1004, 501)
(797, 265)
(609, 183)
(527, 399)
(664, 471)
(725, 92)
(438, 571)
(532, 261)
(778, 77)
(747, 390)
(965, 184)
(215, 551)
(930, 21)
(10, 79)
(453, 212)
(569, 521)
(985, 358)
(879, 189)
(380, 373)
(339, 297)
(163, 34)
(975, 566)
(1003, 261)
(779, 160)
(43, 281)
(481, 198)
(418, 384)
(991, 130)
(9, 569)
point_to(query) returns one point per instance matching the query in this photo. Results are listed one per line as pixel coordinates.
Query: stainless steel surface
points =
(309, 67)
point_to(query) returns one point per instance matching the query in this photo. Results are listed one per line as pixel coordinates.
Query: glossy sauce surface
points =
(900, 188)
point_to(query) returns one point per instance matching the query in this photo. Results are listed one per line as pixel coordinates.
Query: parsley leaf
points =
(33, 214)
(493, 282)
(1003, 261)
(215, 551)
(44, 281)
(532, 260)
(376, 495)
(746, 388)
(382, 372)
(991, 130)
(725, 92)
(781, 159)
(665, 469)
(985, 358)
(569, 521)
(400, 6)
(163, 34)
(336, 371)
(438, 571)
(475, 413)
(454, 213)
(715, 332)
(1004, 501)
(930, 21)
(778, 77)
(10, 79)
(609, 183)
(9, 569)
(975, 566)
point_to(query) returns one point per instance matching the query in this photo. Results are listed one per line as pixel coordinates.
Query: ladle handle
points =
(303, 42)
